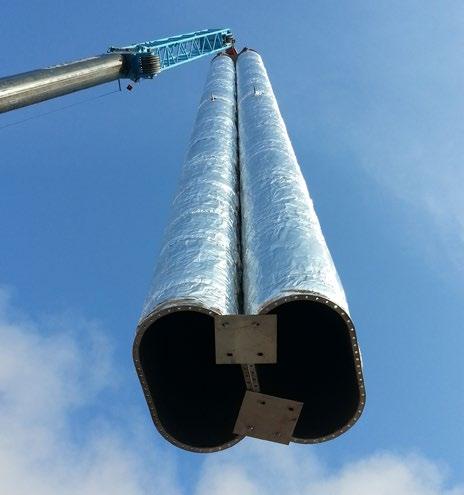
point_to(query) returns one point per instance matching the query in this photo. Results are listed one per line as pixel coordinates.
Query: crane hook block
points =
(146, 60)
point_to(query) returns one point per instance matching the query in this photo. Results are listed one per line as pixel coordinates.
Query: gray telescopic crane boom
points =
(141, 61)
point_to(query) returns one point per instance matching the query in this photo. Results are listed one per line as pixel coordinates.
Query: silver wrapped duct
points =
(288, 270)
(199, 257)
(194, 402)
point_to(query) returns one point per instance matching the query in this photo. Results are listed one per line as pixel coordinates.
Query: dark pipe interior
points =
(197, 400)
(315, 365)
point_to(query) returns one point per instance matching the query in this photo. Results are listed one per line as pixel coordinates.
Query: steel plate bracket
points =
(267, 417)
(246, 339)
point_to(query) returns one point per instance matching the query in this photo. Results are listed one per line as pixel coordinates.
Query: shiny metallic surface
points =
(43, 84)
(199, 256)
(193, 401)
(150, 64)
(246, 339)
(288, 269)
(284, 248)
(268, 418)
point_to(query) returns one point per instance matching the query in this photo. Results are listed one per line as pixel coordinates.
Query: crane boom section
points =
(177, 50)
(39, 85)
(139, 61)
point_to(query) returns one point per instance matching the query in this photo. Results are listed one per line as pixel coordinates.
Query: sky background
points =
(373, 97)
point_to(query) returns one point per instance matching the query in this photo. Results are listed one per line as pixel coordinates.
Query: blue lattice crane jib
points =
(143, 60)
(146, 60)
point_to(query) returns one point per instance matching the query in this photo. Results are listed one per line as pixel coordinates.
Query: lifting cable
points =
(33, 117)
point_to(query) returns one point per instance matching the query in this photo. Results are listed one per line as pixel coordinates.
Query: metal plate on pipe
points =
(267, 417)
(246, 339)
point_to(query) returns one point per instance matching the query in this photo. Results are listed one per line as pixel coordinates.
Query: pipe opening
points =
(315, 365)
(197, 401)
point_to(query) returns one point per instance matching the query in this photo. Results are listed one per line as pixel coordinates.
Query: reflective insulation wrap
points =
(288, 270)
(194, 402)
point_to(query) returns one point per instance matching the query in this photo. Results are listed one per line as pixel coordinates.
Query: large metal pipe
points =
(193, 401)
(288, 270)
(43, 84)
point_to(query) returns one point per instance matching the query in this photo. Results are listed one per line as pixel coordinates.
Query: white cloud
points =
(385, 474)
(47, 377)
(266, 469)
(50, 375)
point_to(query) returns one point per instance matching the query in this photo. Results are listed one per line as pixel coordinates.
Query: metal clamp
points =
(245, 339)
(267, 417)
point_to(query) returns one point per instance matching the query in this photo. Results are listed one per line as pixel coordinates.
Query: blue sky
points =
(372, 95)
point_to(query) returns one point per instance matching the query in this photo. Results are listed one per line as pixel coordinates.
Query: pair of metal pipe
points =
(244, 238)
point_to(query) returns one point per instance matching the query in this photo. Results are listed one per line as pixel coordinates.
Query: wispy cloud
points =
(50, 374)
(47, 377)
(394, 105)
(416, 152)
(408, 131)
(266, 469)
